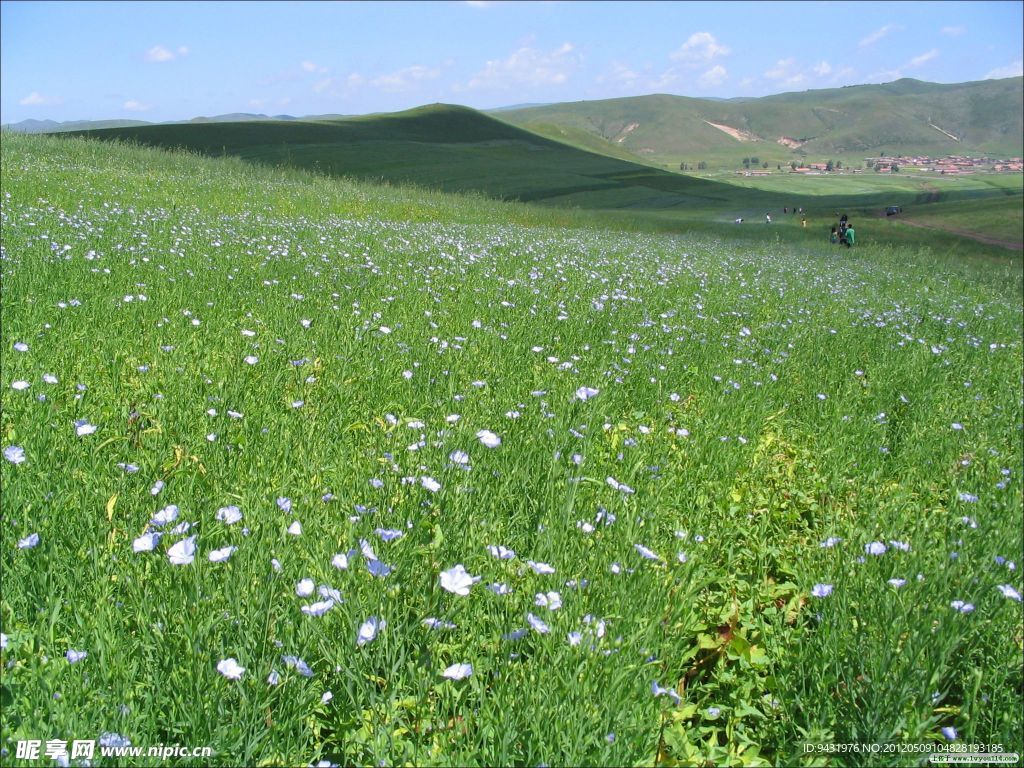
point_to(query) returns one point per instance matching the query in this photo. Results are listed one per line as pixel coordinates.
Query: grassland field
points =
(310, 469)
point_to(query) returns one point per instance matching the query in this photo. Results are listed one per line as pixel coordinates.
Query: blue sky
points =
(167, 61)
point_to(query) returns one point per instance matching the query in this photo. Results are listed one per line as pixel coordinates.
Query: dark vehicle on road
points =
(892, 210)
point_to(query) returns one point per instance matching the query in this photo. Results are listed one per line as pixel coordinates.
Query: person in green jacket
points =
(849, 235)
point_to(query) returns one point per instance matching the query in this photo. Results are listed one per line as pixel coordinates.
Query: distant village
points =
(950, 165)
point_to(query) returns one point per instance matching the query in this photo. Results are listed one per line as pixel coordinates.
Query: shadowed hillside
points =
(445, 147)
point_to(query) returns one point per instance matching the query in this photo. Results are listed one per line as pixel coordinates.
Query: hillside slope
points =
(443, 147)
(906, 116)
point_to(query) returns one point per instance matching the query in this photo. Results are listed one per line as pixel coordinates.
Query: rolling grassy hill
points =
(906, 116)
(457, 149)
(445, 147)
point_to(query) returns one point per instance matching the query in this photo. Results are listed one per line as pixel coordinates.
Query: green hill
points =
(906, 116)
(444, 147)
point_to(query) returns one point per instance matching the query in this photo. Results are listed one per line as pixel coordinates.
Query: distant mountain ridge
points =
(905, 116)
(908, 116)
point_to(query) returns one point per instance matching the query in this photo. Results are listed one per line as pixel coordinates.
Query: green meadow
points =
(310, 469)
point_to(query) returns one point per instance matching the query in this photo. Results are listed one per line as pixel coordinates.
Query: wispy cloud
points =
(36, 99)
(954, 31)
(159, 53)
(405, 78)
(699, 48)
(619, 75)
(821, 69)
(135, 106)
(878, 34)
(924, 58)
(1016, 69)
(526, 67)
(785, 72)
(713, 77)
(309, 66)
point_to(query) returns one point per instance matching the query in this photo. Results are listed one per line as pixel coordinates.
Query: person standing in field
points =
(767, 218)
(849, 235)
(833, 236)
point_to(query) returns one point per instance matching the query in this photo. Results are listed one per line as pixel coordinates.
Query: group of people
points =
(843, 234)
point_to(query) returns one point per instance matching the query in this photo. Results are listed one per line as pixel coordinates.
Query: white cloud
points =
(322, 85)
(878, 34)
(699, 48)
(405, 78)
(526, 67)
(785, 73)
(1016, 69)
(354, 80)
(36, 99)
(159, 53)
(924, 58)
(309, 66)
(954, 31)
(135, 106)
(713, 77)
(822, 69)
(619, 74)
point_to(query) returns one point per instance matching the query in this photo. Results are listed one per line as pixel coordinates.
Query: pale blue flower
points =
(222, 554)
(822, 590)
(146, 542)
(165, 516)
(183, 552)
(540, 568)
(340, 561)
(458, 671)
(537, 624)
(14, 454)
(298, 665)
(74, 656)
(500, 552)
(318, 608)
(457, 580)
(1010, 592)
(645, 552)
(488, 438)
(230, 669)
(875, 548)
(378, 569)
(229, 515)
(368, 630)
(550, 600)
(30, 541)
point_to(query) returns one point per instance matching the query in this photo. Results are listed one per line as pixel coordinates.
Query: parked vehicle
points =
(892, 210)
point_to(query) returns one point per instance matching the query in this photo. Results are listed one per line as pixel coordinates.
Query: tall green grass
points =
(754, 400)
